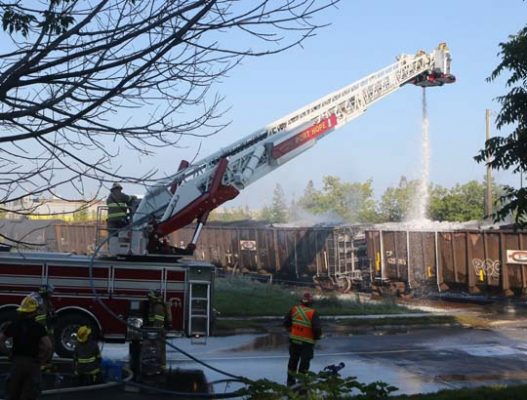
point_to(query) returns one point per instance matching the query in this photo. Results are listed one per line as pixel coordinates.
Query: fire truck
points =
(106, 291)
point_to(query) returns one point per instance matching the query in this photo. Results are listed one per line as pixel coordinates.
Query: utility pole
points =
(488, 202)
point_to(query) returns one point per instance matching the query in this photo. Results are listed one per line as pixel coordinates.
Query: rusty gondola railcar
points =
(329, 255)
(50, 235)
(486, 262)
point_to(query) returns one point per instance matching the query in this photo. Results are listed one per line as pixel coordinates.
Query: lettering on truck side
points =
(303, 137)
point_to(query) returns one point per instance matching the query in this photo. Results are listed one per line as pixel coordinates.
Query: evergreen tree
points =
(279, 211)
(309, 199)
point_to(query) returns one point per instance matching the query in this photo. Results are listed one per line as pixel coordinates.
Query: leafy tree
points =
(435, 207)
(231, 214)
(265, 214)
(396, 201)
(461, 203)
(82, 81)
(324, 385)
(510, 152)
(353, 202)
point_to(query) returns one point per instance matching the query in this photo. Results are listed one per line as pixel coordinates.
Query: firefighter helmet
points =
(83, 333)
(29, 305)
(116, 185)
(307, 298)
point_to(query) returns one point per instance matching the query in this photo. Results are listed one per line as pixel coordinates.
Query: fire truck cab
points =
(108, 295)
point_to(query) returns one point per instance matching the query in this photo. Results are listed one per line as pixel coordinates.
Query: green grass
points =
(237, 297)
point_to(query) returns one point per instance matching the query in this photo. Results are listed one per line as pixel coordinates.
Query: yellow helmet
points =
(83, 333)
(28, 305)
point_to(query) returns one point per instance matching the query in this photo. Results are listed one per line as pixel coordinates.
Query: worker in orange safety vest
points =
(303, 324)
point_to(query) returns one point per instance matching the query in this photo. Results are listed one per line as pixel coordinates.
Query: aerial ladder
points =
(196, 189)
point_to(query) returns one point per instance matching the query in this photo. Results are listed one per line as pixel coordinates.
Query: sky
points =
(384, 143)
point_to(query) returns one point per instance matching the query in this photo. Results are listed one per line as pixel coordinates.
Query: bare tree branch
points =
(84, 81)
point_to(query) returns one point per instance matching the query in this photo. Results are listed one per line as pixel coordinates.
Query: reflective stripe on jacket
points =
(118, 204)
(43, 320)
(87, 358)
(302, 327)
(156, 314)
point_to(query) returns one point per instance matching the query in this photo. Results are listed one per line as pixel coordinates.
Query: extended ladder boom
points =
(197, 189)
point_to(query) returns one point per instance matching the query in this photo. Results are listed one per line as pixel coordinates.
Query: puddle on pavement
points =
(269, 341)
(500, 376)
(279, 340)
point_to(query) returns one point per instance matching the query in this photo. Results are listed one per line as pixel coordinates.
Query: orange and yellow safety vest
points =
(302, 326)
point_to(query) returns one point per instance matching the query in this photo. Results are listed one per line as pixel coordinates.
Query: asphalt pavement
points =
(414, 360)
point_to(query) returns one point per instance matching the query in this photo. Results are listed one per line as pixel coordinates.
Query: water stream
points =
(418, 211)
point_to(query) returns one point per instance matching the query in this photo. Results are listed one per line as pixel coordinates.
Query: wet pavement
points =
(415, 361)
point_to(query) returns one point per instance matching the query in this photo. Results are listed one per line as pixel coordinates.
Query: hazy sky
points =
(384, 143)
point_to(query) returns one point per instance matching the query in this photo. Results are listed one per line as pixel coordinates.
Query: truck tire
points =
(7, 315)
(65, 332)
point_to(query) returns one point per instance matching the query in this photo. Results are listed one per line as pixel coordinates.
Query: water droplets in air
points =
(418, 210)
(417, 215)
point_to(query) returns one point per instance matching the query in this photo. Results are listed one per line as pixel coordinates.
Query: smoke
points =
(304, 218)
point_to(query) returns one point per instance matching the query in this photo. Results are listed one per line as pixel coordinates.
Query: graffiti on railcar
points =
(486, 268)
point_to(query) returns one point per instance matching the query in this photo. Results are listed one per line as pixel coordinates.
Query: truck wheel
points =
(7, 316)
(66, 330)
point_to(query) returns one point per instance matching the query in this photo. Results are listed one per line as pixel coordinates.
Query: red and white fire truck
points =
(139, 258)
(80, 285)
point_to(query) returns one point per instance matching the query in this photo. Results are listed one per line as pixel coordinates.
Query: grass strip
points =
(238, 297)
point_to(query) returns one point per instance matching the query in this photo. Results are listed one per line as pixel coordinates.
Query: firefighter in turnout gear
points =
(87, 358)
(46, 317)
(46, 311)
(120, 208)
(157, 310)
(31, 347)
(151, 351)
(303, 324)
